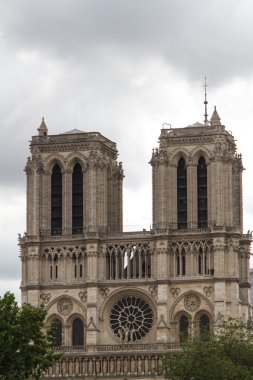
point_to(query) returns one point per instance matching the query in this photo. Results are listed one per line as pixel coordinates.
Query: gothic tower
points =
(120, 300)
(197, 198)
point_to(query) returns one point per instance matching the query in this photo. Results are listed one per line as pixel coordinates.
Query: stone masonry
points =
(123, 299)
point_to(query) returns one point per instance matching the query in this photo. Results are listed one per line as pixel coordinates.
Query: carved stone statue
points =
(112, 366)
(97, 366)
(104, 366)
(139, 365)
(90, 367)
(118, 366)
(76, 367)
(132, 365)
(146, 366)
(125, 365)
(64, 367)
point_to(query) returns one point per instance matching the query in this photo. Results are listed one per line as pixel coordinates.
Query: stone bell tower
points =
(197, 193)
(74, 188)
(73, 183)
(197, 178)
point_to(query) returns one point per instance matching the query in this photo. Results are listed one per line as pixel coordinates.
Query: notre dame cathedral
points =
(122, 299)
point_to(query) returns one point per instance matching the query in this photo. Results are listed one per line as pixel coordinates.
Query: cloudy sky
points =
(123, 68)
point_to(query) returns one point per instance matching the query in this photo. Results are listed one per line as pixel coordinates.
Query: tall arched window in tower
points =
(77, 332)
(56, 201)
(77, 199)
(181, 194)
(183, 327)
(202, 192)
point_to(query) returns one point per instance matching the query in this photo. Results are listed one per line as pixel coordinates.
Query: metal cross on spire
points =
(205, 103)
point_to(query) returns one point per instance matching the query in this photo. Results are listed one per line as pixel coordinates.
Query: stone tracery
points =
(131, 319)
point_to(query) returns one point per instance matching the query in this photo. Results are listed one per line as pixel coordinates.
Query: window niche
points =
(181, 194)
(56, 201)
(77, 199)
(202, 192)
(77, 332)
(57, 333)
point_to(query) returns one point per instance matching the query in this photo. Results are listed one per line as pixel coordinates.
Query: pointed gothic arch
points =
(183, 325)
(77, 199)
(181, 194)
(56, 200)
(57, 332)
(77, 332)
(202, 192)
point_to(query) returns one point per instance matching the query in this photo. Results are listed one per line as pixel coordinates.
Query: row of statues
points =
(106, 365)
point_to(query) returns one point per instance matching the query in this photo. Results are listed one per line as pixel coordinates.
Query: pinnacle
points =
(215, 119)
(42, 128)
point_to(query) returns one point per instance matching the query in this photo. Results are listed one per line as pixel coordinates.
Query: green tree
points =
(26, 349)
(226, 354)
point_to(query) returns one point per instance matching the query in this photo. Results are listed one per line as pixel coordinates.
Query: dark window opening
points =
(180, 263)
(56, 201)
(183, 328)
(183, 263)
(132, 262)
(77, 199)
(204, 325)
(181, 194)
(200, 261)
(202, 192)
(81, 270)
(177, 264)
(57, 333)
(77, 332)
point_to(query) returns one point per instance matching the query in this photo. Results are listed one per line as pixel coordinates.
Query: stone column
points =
(162, 314)
(102, 198)
(219, 284)
(67, 201)
(159, 164)
(172, 196)
(162, 259)
(91, 196)
(92, 333)
(192, 204)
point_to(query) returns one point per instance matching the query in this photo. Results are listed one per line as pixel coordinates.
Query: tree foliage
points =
(226, 354)
(25, 349)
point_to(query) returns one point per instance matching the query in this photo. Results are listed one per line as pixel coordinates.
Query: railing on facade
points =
(209, 226)
(111, 361)
(193, 130)
(112, 365)
(73, 137)
(158, 229)
(116, 348)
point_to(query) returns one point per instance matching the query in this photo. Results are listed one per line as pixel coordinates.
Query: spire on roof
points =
(215, 119)
(42, 128)
(205, 103)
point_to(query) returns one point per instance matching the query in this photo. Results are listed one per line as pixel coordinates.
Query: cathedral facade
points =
(120, 300)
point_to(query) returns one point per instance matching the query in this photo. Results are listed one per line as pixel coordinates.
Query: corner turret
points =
(42, 128)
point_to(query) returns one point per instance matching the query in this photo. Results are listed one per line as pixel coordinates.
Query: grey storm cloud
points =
(193, 35)
(95, 48)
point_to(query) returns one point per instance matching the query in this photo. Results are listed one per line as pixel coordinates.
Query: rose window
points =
(131, 319)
